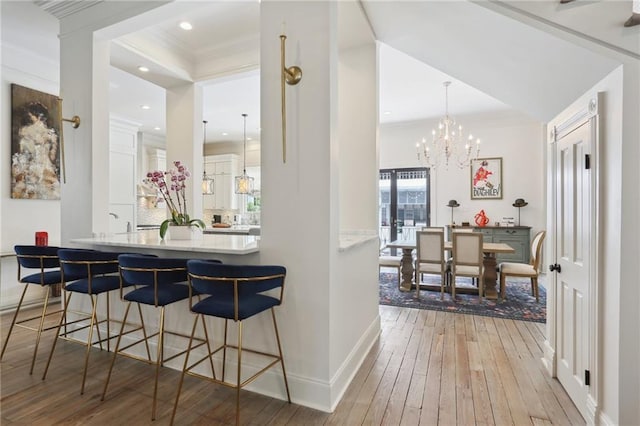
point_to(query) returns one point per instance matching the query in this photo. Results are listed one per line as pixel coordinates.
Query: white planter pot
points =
(181, 232)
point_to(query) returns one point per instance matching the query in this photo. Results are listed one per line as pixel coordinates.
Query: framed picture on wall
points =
(486, 179)
(35, 153)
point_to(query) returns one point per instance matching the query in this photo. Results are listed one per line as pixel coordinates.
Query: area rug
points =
(520, 304)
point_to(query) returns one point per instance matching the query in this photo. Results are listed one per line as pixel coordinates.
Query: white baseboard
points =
(309, 392)
(592, 410)
(549, 359)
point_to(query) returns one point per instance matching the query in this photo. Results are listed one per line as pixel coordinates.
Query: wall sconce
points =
(292, 76)
(519, 203)
(453, 204)
(75, 123)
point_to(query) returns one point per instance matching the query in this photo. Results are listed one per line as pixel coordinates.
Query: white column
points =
(184, 139)
(330, 309)
(84, 85)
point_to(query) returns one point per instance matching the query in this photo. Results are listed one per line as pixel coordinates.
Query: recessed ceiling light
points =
(142, 68)
(248, 139)
(186, 26)
(225, 133)
(145, 107)
(387, 113)
(156, 128)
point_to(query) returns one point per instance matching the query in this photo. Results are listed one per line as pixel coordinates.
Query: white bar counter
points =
(228, 248)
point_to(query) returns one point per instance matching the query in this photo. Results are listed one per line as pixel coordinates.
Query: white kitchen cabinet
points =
(223, 169)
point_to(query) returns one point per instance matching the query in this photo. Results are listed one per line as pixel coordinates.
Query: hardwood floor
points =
(428, 368)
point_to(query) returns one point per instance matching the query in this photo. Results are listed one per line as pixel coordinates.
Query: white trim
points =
(592, 411)
(549, 358)
(605, 420)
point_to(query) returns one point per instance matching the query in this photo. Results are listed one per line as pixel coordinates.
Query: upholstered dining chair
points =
(430, 258)
(237, 293)
(99, 271)
(46, 262)
(530, 270)
(387, 261)
(467, 259)
(159, 282)
(432, 229)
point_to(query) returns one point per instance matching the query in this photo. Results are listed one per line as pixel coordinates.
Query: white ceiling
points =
(480, 50)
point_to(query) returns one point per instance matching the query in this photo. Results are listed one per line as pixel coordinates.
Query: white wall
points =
(516, 138)
(27, 66)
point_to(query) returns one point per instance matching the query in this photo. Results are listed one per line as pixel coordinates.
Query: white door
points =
(573, 224)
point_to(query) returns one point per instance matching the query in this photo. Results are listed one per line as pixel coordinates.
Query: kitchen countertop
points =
(150, 240)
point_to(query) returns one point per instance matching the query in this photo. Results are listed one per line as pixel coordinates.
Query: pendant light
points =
(207, 181)
(244, 183)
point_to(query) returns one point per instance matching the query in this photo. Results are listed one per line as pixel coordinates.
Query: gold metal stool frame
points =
(239, 383)
(83, 317)
(160, 359)
(22, 323)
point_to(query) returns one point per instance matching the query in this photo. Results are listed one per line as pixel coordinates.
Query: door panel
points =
(573, 251)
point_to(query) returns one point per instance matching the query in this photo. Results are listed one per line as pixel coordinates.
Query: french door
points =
(404, 204)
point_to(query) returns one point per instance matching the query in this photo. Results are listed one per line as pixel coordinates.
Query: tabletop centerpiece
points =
(170, 184)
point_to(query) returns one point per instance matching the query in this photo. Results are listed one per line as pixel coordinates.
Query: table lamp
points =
(519, 203)
(453, 204)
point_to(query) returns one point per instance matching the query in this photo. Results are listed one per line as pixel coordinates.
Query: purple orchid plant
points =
(170, 184)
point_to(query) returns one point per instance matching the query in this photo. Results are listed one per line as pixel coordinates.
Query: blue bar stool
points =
(45, 260)
(235, 292)
(100, 272)
(159, 282)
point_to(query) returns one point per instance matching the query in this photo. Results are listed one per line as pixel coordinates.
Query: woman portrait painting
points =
(35, 159)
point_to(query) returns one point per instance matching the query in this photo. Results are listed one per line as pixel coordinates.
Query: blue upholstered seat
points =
(219, 282)
(97, 270)
(158, 281)
(234, 292)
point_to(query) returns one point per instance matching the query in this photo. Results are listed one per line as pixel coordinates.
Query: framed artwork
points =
(35, 153)
(486, 179)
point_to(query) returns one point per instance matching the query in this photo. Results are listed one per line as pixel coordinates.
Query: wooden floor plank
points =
(427, 368)
(516, 400)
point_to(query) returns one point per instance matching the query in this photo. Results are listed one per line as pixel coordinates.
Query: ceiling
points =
(479, 50)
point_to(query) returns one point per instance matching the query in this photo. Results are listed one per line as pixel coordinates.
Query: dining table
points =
(490, 276)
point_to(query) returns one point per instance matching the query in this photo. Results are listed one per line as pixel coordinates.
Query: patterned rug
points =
(520, 304)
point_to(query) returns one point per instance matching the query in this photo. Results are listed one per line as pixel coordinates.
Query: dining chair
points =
(527, 270)
(387, 261)
(45, 260)
(467, 259)
(158, 282)
(430, 258)
(237, 293)
(98, 270)
(432, 229)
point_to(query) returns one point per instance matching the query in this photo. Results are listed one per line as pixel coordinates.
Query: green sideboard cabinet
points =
(518, 237)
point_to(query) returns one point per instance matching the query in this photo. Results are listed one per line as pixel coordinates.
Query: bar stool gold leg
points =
(284, 373)
(63, 318)
(224, 349)
(13, 322)
(40, 326)
(92, 323)
(239, 373)
(115, 353)
(184, 367)
(159, 362)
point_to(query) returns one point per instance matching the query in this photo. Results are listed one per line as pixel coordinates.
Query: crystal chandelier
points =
(244, 183)
(448, 144)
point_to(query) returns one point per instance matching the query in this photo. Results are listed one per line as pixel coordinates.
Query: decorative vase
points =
(481, 219)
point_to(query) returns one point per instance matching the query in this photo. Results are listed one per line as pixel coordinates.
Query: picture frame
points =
(486, 179)
(35, 144)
